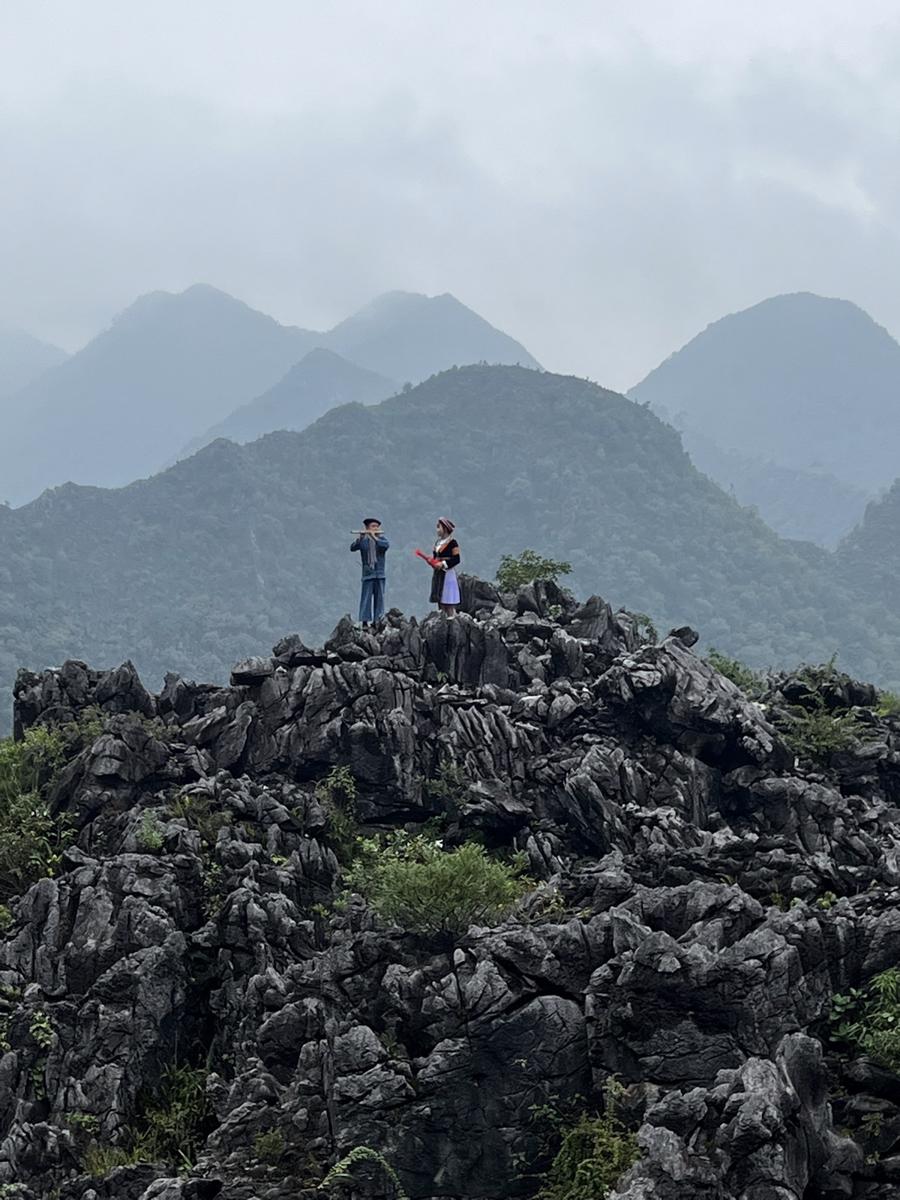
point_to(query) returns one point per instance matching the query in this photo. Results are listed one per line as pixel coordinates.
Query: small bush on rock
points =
(595, 1153)
(363, 1156)
(412, 881)
(269, 1147)
(818, 732)
(528, 567)
(31, 840)
(869, 1018)
(337, 795)
(750, 682)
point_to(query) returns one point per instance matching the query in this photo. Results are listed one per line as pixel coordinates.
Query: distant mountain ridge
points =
(166, 368)
(801, 380)
(196, 567)
(24, 358)
(321, 380)
(171, 367)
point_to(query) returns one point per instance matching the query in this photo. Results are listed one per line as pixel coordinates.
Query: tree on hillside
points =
(529, 567)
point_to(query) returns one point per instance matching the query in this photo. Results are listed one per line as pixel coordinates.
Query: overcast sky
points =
(601, 179)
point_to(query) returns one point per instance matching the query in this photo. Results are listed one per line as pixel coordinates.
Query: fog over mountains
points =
(798, 382)
(22, 359)
(172, 366)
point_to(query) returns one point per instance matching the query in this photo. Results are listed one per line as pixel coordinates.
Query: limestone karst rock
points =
(667, 827)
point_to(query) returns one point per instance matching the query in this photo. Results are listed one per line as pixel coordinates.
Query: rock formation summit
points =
(698, 894)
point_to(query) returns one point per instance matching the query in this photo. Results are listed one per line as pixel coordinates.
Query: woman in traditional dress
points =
(444, 584)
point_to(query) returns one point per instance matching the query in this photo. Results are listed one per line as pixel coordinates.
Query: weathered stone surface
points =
(667, 827)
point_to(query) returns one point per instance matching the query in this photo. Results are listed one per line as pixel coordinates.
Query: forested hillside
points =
(191, 569)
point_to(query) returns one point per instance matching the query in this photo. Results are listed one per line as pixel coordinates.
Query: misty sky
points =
(599, 179)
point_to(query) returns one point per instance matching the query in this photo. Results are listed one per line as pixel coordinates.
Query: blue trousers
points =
(371, 601)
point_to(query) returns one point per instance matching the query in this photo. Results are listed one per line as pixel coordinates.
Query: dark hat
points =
(447, 524)
(371, 521)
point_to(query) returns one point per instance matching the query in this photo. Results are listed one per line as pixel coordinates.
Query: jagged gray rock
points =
(665, 822)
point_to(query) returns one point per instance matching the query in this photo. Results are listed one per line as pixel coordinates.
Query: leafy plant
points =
(83, 1122)
(449, 785)
(815, 733)
(869, 1018)
(98, 1161)
(6, 918)
(888, 704)
(150, 833)
(41, 1029)
(342, 1172)
(337, 795)
(413, 881)
(646, 629)
(750, 682)
(212, 884)
(196, 810)
(594, 1154)
(528, 567)
(269, 1147)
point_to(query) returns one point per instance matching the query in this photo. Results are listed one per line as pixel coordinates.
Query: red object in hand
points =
(432, 562)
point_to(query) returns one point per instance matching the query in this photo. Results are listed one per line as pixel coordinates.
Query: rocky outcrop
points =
(677, 936)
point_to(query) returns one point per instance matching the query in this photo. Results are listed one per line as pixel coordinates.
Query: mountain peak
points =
(409, 336)
(807, 381)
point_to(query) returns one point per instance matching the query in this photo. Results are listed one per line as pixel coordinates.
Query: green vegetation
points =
(6, 918)
(337, 795)
(342, 1172)
(412, 881)
(869, 1018)
(269, 1147)
(594, 1154)
(31, 839)
(646, 628)
(817, 732)
(449, 785)
(41, 1029)
(196, 810)
(888, 704)
(170, 1128)
(150, 833)
(529, 567)
(750, 682)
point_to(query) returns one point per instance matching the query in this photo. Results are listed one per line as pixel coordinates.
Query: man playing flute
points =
(372, 546)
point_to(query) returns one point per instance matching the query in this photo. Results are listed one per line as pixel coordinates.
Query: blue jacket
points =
(382, 544)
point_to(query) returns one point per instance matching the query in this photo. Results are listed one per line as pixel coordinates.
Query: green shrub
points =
(171, 1127)
(595, 1153)
(528, 567)
(337, 795)
(196, 810)
(98, 1161)
(412, 881)
(150, 833)
(31, 841)
(41, 1029)
(342, 1172)
(888, 704)
(269, 1147)
(646, 629)
(6, 918)
(449, 785)
(750, 682)
(869, 1018)
(818, 732)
